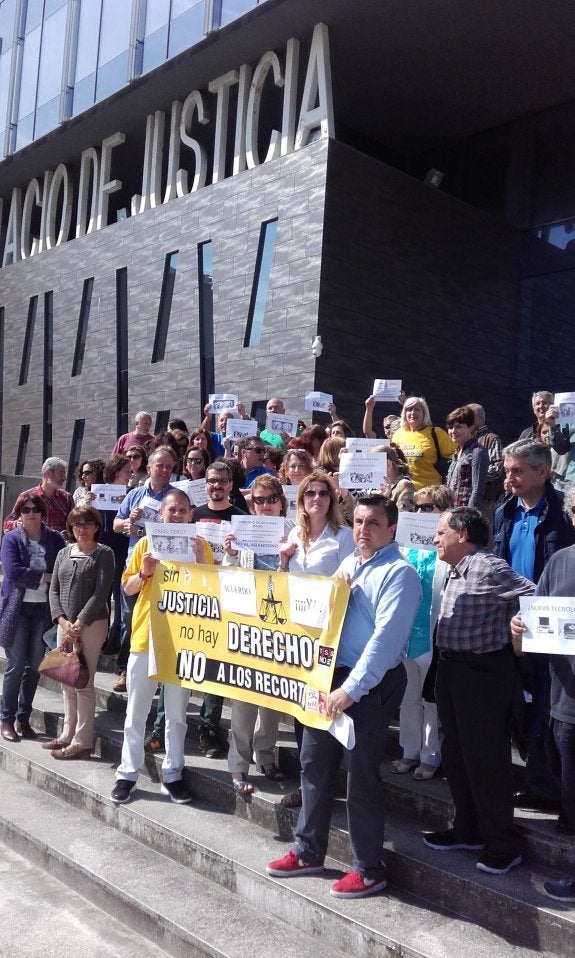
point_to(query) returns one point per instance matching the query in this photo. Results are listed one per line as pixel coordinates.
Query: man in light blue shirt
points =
(369, 682)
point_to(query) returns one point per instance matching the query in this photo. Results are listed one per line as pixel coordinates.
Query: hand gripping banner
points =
(266, 638)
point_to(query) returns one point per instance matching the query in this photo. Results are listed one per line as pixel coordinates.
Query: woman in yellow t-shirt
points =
(415, 439)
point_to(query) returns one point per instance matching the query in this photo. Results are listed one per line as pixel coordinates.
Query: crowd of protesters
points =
(427, 633)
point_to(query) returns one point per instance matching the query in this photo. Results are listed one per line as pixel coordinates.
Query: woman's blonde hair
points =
(333, 517)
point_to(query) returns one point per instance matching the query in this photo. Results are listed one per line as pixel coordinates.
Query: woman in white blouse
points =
(320, 540)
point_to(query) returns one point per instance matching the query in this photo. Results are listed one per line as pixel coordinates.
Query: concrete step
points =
(513, 905)
(43, 918)
(117, 858)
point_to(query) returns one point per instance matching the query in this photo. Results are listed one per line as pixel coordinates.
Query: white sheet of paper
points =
(290, 492)
(195, 490)
(149, 509)
(172, 541)
(565, 403)
(238, 592)
(416, 530)
(550, 623)
(238, 428)
(107, 496)
(279, 422)
(361, 471)
(259, 534)
(362, 445)
(309, 600)
(386, 390)
(214, 533)
(318, 402)
(222, 401)
(343, 729)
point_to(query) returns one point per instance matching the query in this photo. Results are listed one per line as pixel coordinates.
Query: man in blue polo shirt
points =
(528, 529)
(161, 464)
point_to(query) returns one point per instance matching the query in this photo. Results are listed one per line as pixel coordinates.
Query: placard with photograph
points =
(318, 402)
(259, 534)
(108, 496)
(360, 471)
(172, 541)
(280, 422)
(416, 530)
(386, 390)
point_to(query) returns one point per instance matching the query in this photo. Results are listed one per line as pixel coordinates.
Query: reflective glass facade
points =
(60, 57)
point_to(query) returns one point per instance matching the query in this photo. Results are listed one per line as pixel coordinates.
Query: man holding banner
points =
(368, 685)
(137, 581)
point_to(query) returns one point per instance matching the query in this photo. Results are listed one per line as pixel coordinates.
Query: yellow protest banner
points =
(267, 638)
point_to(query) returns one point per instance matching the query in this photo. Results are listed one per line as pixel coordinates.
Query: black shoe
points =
(449, 841)
(210, 745)
(178, 791)
(24, 729)
(535, 802)
(121, 792)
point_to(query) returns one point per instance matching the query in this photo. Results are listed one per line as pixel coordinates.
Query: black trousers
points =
(474, 695)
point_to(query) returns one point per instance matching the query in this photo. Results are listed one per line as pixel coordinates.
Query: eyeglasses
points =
(83, 525)
(426, 507)
(259, 449)
(25, 510)
(87, 472)
(195, 462)
(217, 482)
(312, 493)
(135, 455)
(261, 500)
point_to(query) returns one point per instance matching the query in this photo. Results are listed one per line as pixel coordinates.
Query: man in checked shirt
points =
(474, 691)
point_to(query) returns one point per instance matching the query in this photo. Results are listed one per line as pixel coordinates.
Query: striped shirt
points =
(479, 599)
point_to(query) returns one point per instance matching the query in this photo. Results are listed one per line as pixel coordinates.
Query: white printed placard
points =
(239, 428)
(238, 592)
(309, 598)
(360, 471)
(361, 445)
(259, 534)
(214, 532)
(220, 402)
(280, 422)
(172, 541)
(565, 403)
(107, 496)
(416, 530)
(290, 492)
(318, 402)
(550, 624)
(386, 390)
(195, 489)
(149, 509)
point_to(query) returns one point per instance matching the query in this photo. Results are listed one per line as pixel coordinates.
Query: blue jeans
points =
(127, 604)
(21, 675)
(321, 755)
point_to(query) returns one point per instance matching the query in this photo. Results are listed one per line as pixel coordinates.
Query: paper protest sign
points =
(416, 530)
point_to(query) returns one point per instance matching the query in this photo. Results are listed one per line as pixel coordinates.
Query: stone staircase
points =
(189, 880)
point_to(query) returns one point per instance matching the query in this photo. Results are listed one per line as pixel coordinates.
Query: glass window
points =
(206, 317)
(28, 340)
(157, 15)
(84, 94)
(33, 15)
(25, 131)
(82, 332)
(47, 117)
(29, 80)
(22, 450)
(115, 30)
(165, 307)
(50, 6)
(4, 85)
(75, 451)
(52, 57)
(112, 76)
(7, 17)
(261, 282)
(232, 9)
(155, 49)
(187, 26)
(88, 33)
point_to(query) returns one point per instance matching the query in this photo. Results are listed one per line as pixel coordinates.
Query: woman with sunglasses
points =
(418, 726)
(79, 592)
(267, 499)
(316, 546)
(138, 466)
(196, 461)
(87, 473)
(28, 554)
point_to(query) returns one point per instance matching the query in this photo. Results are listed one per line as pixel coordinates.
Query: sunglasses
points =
(261, 500)
(88, 472)
(195, 462)
(426, 507)
(134, 455)
(26, 510)
(312, 493)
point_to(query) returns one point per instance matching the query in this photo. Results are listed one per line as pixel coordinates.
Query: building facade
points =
(191, 192)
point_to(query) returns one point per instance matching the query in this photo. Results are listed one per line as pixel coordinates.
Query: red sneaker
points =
(292, 864)
(354, 885)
